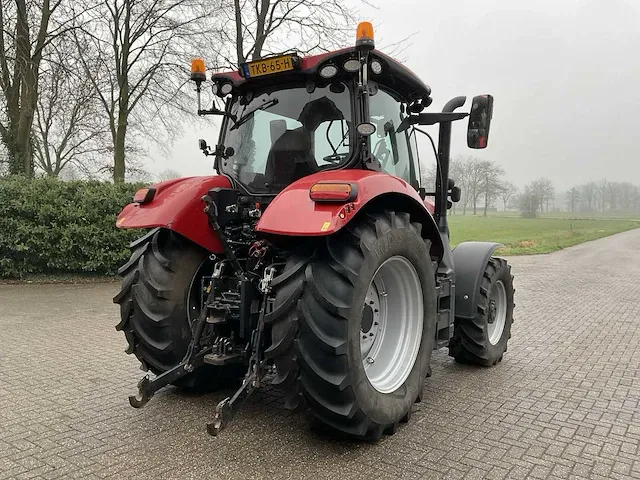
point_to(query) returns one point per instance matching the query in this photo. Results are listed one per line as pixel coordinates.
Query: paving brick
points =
(563, 404)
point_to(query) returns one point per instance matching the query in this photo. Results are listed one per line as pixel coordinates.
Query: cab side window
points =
(390, 148)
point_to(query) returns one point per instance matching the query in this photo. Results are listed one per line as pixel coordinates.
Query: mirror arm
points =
(430, 119)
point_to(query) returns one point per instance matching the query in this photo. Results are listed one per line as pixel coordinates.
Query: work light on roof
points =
(352, 65)
(226, 88)
(376, 67)
(328, 71)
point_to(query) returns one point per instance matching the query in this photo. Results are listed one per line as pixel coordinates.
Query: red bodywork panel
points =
(176, 205)
(292, 212)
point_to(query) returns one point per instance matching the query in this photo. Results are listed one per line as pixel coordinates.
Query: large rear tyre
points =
(483, 339)
(159, 299)
(354, 326)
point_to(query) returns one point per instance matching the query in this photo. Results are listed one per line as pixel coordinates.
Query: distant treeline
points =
(485, 188)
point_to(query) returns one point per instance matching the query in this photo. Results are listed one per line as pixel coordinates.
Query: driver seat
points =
(290, 158)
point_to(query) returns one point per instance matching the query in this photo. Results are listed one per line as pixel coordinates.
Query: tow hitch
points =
(226, 409)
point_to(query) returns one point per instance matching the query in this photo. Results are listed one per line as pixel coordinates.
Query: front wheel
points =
(482, 340)
(356, 343)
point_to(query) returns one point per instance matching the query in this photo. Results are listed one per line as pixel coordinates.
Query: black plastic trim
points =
(470, 260)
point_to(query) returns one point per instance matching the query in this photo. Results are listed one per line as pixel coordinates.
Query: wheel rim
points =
(391, 326)
(497, 313)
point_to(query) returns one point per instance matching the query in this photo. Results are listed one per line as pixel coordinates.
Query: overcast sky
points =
(565, 75)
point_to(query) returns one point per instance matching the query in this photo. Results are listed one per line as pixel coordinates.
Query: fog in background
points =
(565, 75)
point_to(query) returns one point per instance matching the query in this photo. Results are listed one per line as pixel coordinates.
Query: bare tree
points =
(602, 191)
(491, 182)
(68, 128)
(507, 190)
(589, 192)
(573, 197)
(27, 28)
(626, 193)
(263, 27)
(462, 171)
(612, 191)
(428, 177)
(475, 172)
(544, 192)
(529, 201)
(548, 192)
(134, 53)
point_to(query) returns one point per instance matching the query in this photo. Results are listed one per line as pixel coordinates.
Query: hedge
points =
(51, 227)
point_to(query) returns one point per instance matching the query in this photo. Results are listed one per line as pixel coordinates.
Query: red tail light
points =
(333, 192)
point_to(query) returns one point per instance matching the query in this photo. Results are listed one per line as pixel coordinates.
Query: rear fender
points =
(470, 260)
(176, 205)
(293, 213)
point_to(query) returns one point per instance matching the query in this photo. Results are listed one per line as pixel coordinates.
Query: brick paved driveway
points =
(563, 404)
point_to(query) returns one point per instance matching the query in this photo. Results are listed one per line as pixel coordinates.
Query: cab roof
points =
(394, 74)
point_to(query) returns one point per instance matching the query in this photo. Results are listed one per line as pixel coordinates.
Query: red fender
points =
(292, 212)
(176, 205)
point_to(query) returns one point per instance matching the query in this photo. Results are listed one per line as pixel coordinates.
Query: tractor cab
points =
(286, 117)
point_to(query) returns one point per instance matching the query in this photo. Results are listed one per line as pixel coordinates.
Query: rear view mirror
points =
(480, 121)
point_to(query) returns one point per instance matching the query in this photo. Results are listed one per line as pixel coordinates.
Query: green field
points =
(531, 236)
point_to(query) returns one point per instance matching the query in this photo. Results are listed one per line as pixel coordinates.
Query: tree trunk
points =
(27, 80)
(239, 37)
(119, 148)
(486, 203)
(15, 163)
(261, 34)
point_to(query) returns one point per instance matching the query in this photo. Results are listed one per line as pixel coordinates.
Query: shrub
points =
(51, 227)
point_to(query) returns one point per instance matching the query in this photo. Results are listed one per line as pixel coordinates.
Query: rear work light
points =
(144, 195)
(333, 192)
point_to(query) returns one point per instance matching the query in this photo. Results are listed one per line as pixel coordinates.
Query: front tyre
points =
(483, 339)
(365, 326)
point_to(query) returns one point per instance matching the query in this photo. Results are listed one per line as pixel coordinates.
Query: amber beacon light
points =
(198, 70)
(364, 36)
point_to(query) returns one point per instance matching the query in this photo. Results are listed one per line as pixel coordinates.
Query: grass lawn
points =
(531, 236)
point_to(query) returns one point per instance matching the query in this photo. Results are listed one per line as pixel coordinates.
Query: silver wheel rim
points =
(497, 313)
(391, 326)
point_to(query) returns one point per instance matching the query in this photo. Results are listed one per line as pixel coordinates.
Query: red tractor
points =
(313, 260)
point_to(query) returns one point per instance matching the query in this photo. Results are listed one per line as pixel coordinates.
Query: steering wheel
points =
(335, 158)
